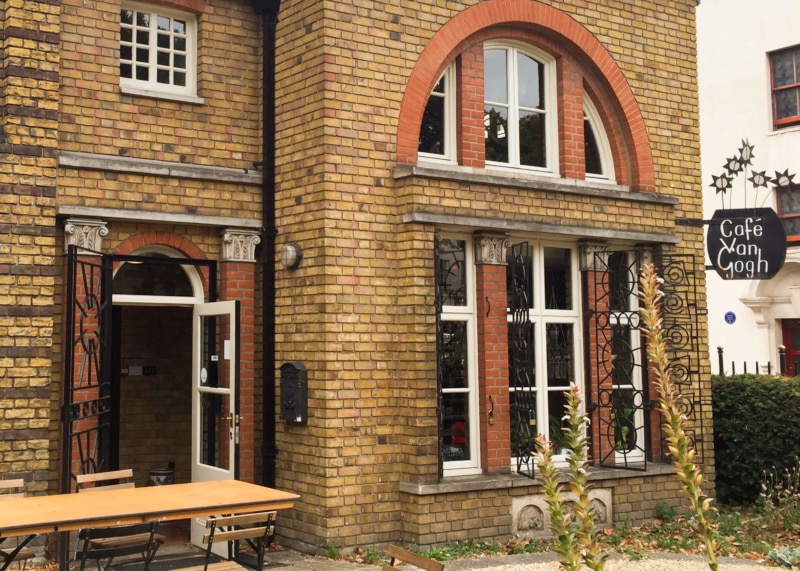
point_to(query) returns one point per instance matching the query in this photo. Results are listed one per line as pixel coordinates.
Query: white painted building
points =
(749, 80)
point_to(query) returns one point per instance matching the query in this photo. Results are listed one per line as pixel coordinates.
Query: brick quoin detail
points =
(494, 19)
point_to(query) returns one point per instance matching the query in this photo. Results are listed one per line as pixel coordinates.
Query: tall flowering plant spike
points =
(678, 443)
(576, 536)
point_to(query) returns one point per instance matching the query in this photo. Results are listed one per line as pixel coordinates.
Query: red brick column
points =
(490, 278)
(237, 282)
(571, 139)
(469, 108)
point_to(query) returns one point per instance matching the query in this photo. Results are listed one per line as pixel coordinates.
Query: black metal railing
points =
(754, 367)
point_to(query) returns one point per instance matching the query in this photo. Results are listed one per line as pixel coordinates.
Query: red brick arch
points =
(453, 37)
(179, 243)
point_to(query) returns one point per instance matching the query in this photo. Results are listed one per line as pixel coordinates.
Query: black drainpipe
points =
(269, 23)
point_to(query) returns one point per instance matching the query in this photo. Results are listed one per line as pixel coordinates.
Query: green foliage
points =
(779, 501)
(786, 556)
(665, 511)
(463, 550)
(332, 552)
(372, 556)
(526, 546)
(756, 429)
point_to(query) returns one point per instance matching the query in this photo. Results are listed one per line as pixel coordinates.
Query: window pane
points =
(495, 80)
(455, 431)
(523, 421)
(622, 357)
(453, 360)
(126, 53)
(621, 280)
(431, 134)
(179, 61)
(125, 70)
(143, 19)
(786, 103)
(450, 275)
(162, 24)
(180, 44)
(162, 76)
(531, 82)
(179, 26)
(126, 35)
(495, 129)
(789, 200)
(557, 278)
(531, 140)
(142, 73)
(126, 17)
(521, 356)
(162, 58)
(519, 277)
(791, 226)
(142, 55)
(783, 69)
(560, 346)
(143, 37)
(439, 87)
(163, 41)
(152, 279)
(556, 410)
(179, 78)
(591, 151)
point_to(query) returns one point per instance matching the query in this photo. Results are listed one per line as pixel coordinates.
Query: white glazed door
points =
(215, 378)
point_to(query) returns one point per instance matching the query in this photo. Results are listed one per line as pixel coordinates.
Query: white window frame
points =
(449, 96)
(591, 115)
(540, 318)
(466, 313)
(151, 87)
(550, 108)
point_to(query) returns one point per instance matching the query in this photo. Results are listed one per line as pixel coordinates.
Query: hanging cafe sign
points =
(746, 243)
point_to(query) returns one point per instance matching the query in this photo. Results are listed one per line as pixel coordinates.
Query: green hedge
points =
(756, 427)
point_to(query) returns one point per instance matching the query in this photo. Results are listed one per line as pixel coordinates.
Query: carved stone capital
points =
(85, 233)
(594, 256)
(491, 249)
(239, 245)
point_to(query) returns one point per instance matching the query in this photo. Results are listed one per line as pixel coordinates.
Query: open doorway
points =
(153, 387)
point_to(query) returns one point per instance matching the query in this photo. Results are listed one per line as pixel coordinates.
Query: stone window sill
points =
(501, 481)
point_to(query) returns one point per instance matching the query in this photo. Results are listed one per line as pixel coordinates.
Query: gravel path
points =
(293, 561)
(654, 562)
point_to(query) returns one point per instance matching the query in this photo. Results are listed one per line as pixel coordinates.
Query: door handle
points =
(233, 419)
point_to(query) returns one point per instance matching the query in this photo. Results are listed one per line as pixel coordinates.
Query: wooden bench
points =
(398, 554)
(257, 529)
(19, 552)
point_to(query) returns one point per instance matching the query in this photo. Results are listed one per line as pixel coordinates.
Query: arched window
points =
(437, 139)
(599, 160)
(519, 108)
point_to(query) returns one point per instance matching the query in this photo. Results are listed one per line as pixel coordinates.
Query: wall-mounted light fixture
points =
(291, 255)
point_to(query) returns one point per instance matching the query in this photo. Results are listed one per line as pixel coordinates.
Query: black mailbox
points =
(294, 392)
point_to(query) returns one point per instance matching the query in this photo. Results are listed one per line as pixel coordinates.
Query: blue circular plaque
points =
(730, 317)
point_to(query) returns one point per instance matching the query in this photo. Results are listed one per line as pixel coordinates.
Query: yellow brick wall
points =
(359, 310)
(224, 131)
(28, 126)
